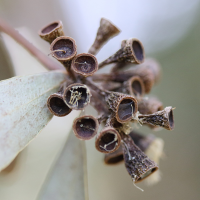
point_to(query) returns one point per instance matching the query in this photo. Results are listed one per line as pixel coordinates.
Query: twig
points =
(47, 62)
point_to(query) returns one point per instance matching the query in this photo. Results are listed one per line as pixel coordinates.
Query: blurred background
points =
(170, 33)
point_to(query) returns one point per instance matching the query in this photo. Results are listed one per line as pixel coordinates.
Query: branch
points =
(47, 62)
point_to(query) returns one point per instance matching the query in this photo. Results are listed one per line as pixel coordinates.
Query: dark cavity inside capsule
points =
(126, 109)
(86, 128)
(138, 51)
(59, 107)
(85, 64)
(107, 141)
(65, 46)
(136, 87)
(50, 28)
(77, 97)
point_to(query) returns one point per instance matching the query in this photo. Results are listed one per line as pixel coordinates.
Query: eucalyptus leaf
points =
(68, 177)
(23, 110)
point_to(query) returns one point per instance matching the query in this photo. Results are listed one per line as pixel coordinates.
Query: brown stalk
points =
(138, 165)
(77, 96)
(98, 100)
(41, 57)
(56, 103)
(85, 127)
(132, 52)
(84, 64)
(98, 103)
(51, 31)
(105, 32)
(108, 140)
(119, 65)
(111, 85)
(163, 118)
(101, 91)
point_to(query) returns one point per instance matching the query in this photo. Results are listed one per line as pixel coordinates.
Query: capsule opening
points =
(86, 128)
(171, 119)
(58, 106)
(77, 97)
(138, 51)
(50, 28)
(108, 141)
(65, 46)
(85, 65)
(148, 173)
(137, 88)
(126, 109)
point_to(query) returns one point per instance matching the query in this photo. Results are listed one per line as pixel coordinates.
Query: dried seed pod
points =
(123, 43)
(154, 66)
(51, 31)
(64, 49)
(134, 86)
(115, 157)
(56, 103)
(145, 74)
(85, 127)
(147, 77)
(138, 165)
(150, 145)
(124, 106)
(98, 103)
(163, 118)
(114, 100)
(85, 64)
(57, 106)
(105, 32)
(155, 152)
(77, 96)
(108, 140)
(149, 71)
(120, 65)
(149, 105)
(142, 141)
(132, 52)
(153, 147)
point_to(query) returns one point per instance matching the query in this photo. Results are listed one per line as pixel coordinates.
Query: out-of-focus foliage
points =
(23, 110)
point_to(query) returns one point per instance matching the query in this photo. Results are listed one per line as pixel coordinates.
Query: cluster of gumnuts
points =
(117, 96)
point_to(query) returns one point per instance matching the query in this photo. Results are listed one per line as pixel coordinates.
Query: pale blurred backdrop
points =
(170, 32)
